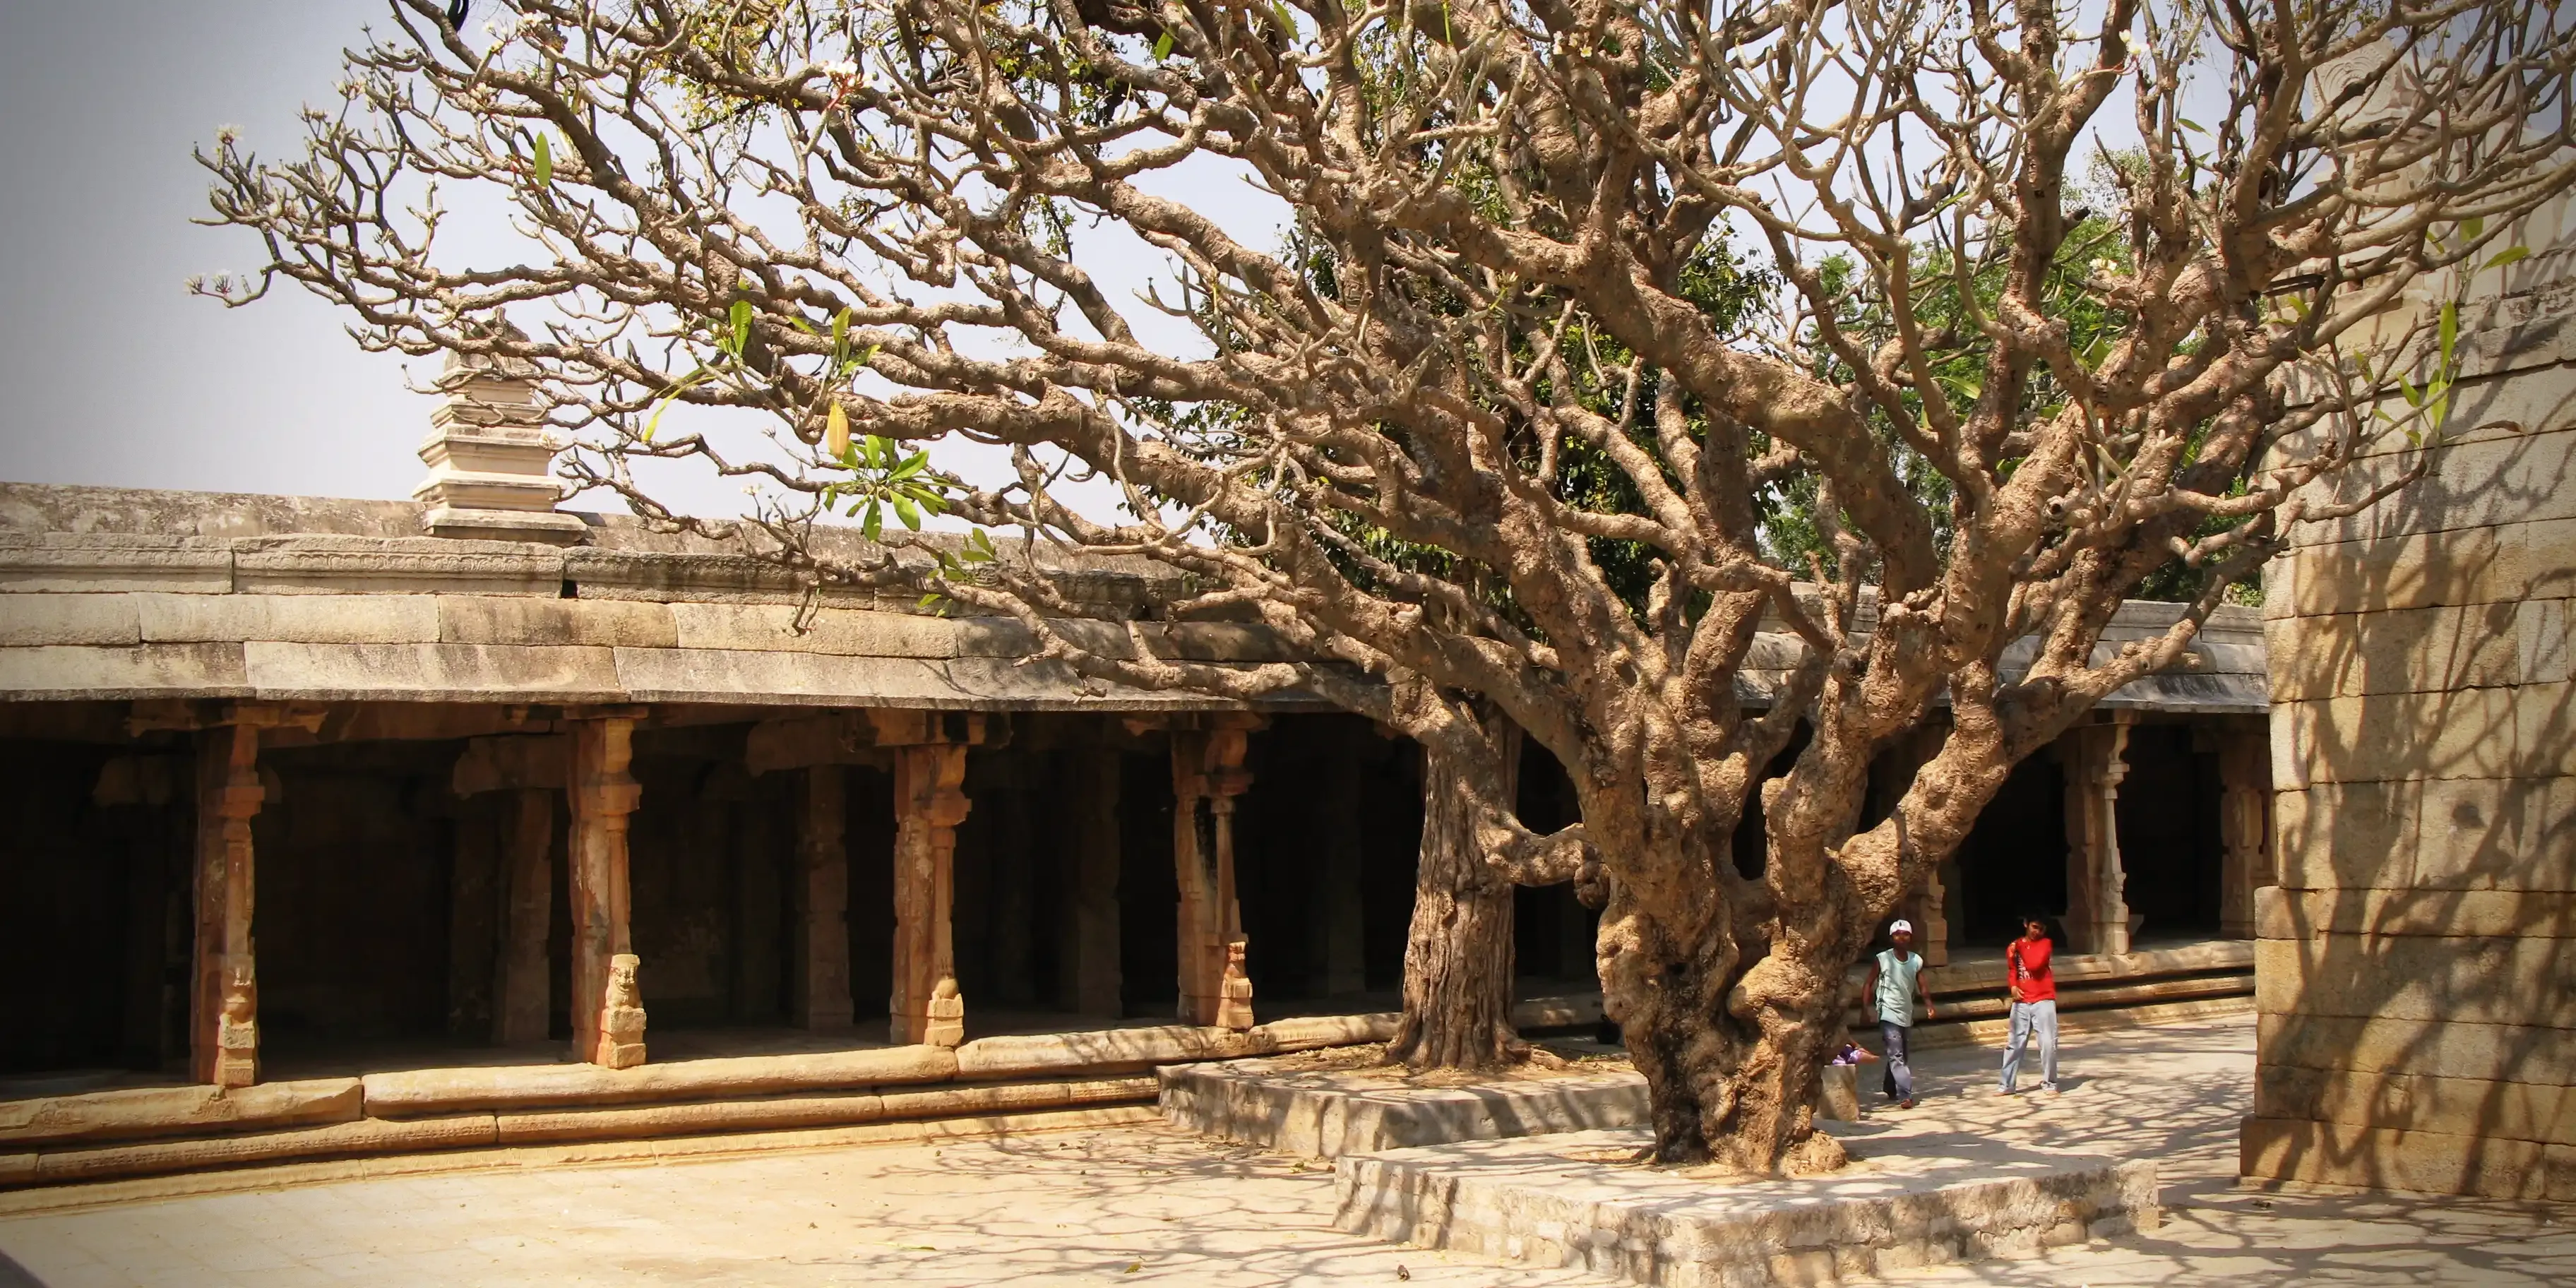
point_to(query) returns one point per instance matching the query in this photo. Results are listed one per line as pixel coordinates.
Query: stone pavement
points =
(1148, 1205)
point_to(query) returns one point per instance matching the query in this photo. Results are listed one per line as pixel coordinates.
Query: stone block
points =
(1326, 1114)
(784, 679)
(955, 1102)
(432, 673)
(297, 619)
(842, 631)
(365, 1136)
(74, 673)
(2466, 733)
(2404, 1102)
(345, 565)
(35, 620)
(2396, 651)
(421, 1092)
(2428, 1048)
(2423, 570)
(2301, 914)
(780, 1113)
(673, 576)
(176, 1111)
(2488, 833)
(514, 619)
(71, 565)
(2520, 478)
(2347, 835)
(1548, 1201)
(2542, 641)
(2426, 1162)
(2418, 977)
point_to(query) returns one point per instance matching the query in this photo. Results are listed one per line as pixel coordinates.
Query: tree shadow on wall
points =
(2417, 991)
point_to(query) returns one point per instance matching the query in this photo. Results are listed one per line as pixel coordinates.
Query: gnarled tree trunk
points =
(1458, 961)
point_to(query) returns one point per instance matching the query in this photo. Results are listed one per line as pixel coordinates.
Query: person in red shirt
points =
(2030, 979)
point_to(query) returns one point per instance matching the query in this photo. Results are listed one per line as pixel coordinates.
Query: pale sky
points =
(113, 373)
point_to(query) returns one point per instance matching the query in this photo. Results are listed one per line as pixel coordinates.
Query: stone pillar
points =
(1089, 983)
(520, 986)
(607, 1011)
(1928, 907)
(2097, 911)
(818, 984)
(2244, 827)
(1340, 919)
(928, 804)
(1207, 776)
(223, 1022)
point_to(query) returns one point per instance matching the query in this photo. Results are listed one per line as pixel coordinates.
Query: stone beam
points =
(929, 803)
(2097, 908)
(607, 1010)
(818, 982)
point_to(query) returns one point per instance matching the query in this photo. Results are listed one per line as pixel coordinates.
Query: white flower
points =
(2104, 266)
(842, 70)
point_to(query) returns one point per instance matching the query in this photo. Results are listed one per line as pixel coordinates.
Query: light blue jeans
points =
(1898, 1080)
(2027, 1018)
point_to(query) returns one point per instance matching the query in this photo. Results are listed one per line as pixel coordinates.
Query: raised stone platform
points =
(1292, 1107)
(1912, 1199)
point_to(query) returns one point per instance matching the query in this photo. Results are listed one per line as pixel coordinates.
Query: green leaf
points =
(740, 313)
(872, 524)
(906, 511)
(1162, 46)
(1287, 24)
(2450, 330)
(930, 501)
(2473, 227)
(2189, 124)
(2509, 255)
(2414, 397)
(911, 465)
(841, 336)
(928, 600)
(545, 161)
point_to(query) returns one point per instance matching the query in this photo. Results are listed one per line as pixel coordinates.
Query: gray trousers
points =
(2033, 1017)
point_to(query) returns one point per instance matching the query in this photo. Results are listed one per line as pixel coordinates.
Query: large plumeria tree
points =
(880, 227)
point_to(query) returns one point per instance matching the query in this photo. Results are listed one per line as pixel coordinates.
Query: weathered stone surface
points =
(69, 619)
(704, 578)
(802, 679)
(365, 1136)
(511, 619)
(382, 565)
(1329, 1114)
(2479, 833)
(2430, 1048)
(2418, 977)
(176, 1111)
(1111, 1050)
(2432, 1162)
(1544, 1201)
(843, 631)
(75, 673)
(940, 1102)
(2403, 1102)
(2500, 481)
(2423, 570)
(432, 673)
(2403, 651)
(298, 619)
(2464, 733)
(690, 1119)
(2300, 914)
(439, 1091)
(74, 565)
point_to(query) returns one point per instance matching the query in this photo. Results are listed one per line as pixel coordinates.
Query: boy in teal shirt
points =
(1895, 982)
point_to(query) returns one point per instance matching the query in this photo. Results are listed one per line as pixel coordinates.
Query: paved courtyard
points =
(1141, 1205)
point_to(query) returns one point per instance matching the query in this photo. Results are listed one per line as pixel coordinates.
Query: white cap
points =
(1901, 927)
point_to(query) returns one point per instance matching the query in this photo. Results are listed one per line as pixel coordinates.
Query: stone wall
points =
(2417, 961)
